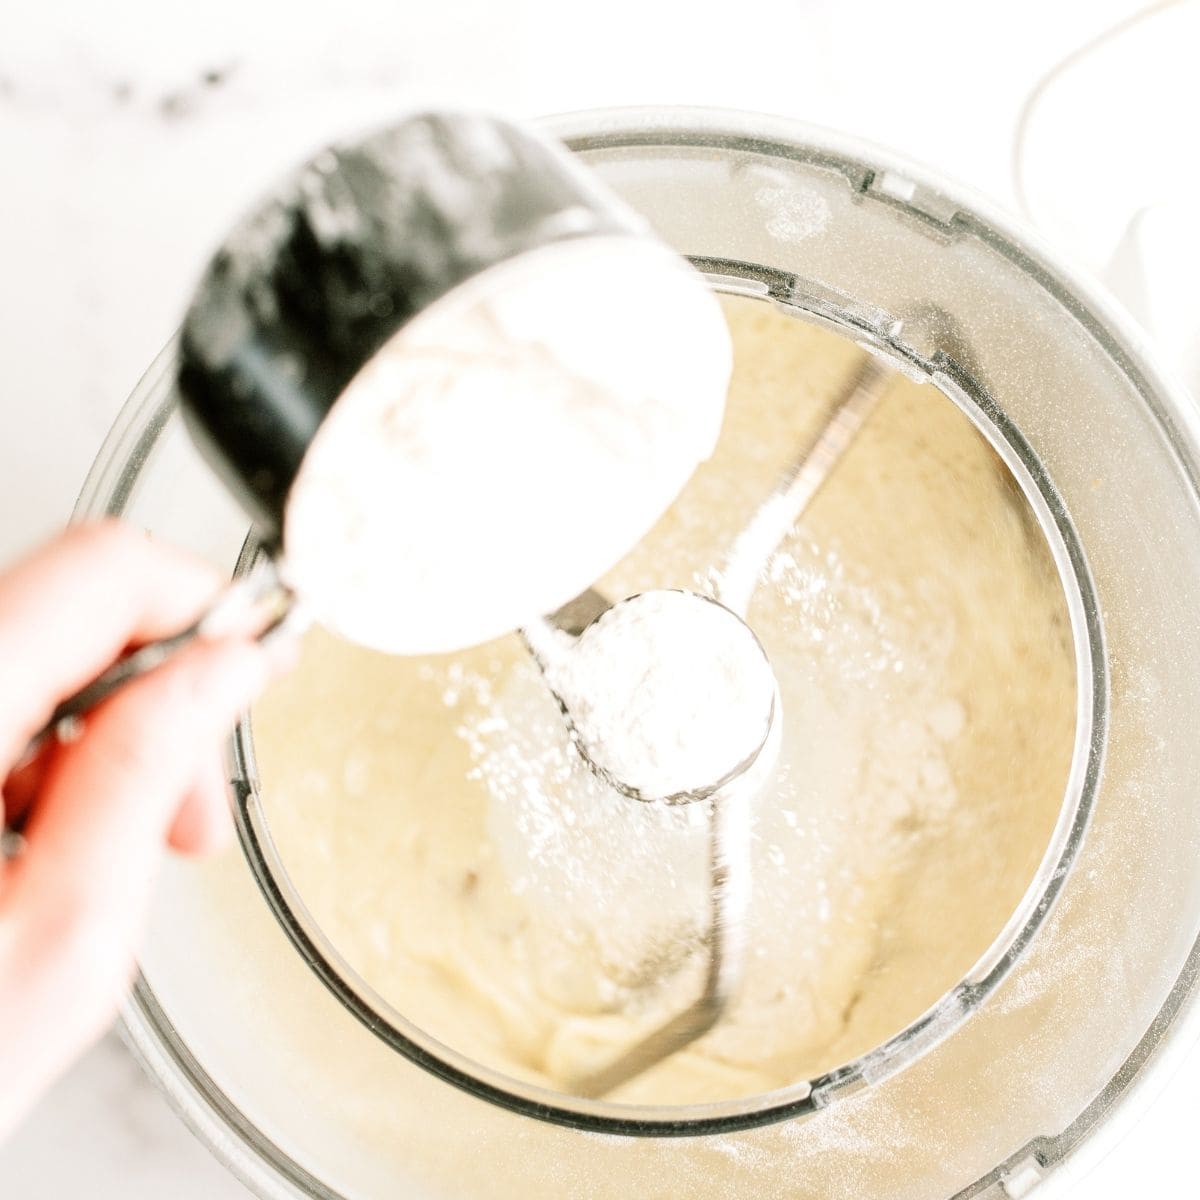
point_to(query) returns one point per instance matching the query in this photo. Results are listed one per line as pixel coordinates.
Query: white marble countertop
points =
(132, 133)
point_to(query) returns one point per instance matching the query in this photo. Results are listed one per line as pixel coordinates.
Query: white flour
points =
(508, 446)
(668, 692)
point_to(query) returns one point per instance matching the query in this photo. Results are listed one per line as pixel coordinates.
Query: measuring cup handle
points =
(258, 600)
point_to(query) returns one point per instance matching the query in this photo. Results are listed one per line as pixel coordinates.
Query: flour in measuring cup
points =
(508, 446)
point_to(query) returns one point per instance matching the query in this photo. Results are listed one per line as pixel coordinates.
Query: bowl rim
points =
(919, 1035)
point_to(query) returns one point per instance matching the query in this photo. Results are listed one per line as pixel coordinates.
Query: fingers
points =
(21, 787)
(108, 802)
(202, 823)
(122, 782)
(73, 606)
(98, 811)
(72, 906)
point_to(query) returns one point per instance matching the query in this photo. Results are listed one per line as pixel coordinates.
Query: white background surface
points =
(131, 133)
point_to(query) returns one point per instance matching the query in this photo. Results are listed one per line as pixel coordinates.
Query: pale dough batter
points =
(439, 827)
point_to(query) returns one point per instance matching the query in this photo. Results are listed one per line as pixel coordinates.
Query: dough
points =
(438, 825)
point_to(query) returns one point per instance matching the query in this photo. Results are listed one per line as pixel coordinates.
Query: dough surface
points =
(438, 825)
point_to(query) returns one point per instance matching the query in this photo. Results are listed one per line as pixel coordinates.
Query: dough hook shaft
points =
(729, 897)
(801, 483)
(729, 807)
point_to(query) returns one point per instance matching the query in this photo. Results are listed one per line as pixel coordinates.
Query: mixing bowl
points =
(290, 1069)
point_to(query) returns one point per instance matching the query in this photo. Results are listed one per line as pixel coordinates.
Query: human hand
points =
(97, 813)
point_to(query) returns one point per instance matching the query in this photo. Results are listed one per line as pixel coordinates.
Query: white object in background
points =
(1153, 273)
(1109, 132)
(1103, 166)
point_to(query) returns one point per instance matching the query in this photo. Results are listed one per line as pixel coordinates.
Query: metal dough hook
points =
(728, 799)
